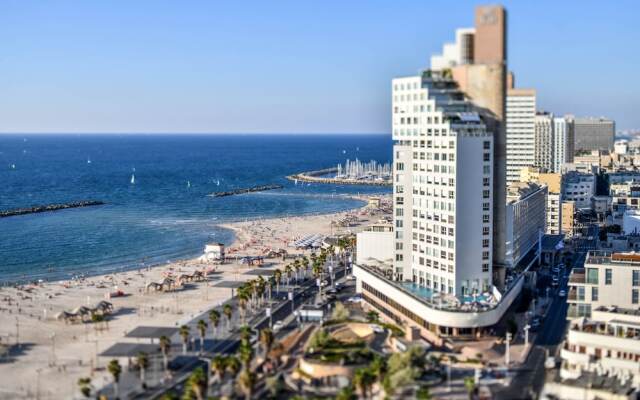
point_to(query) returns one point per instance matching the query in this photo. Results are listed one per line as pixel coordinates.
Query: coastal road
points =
(304, 293)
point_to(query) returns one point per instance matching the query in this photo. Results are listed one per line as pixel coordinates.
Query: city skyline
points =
(221, 69)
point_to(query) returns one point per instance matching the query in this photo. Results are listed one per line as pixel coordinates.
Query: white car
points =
(550, 363)
(278, 325)
(562, 293)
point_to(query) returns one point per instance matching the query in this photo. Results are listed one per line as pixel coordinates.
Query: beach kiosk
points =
(214, 252)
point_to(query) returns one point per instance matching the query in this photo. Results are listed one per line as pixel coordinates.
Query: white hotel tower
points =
(449, 185)
(442, 188)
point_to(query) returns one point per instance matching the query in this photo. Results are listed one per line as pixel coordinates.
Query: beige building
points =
(556, 218)
(568, 213)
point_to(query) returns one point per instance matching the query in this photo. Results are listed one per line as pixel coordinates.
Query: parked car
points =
(535, 324)
(550, 363)
(562, 293)
(278, 325)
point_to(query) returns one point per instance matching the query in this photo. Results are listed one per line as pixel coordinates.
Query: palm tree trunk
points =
(201, 344)
(142, 377)
(184, 348)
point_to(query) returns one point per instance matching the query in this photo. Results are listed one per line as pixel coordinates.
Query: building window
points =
(634, 296)
(580, 293)
(592, 276)
(486, 145)
(485, 242)
(635, 278)
(594, 293)
(485, 267)
(485, 255)
(485, 206)
(607, 276)
(486, 156)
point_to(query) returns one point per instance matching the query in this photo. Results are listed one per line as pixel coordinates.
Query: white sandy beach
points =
(54, 354)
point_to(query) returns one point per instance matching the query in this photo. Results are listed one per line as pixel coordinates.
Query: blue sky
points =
(287, 66)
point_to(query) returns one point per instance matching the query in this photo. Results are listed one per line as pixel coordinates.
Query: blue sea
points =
(166, 214)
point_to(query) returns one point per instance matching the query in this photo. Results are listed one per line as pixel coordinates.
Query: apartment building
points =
(579, 188)
(521, 135)
(607, 279)
(526, 219)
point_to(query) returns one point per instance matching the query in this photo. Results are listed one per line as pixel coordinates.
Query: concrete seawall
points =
(314, 177)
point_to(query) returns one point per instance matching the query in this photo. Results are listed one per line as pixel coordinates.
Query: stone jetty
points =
(49, 207)
(260, 188)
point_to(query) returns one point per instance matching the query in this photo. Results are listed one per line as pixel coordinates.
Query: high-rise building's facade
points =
(563, 142)
(543, 157)
(444, 158)
(526, 219)
(449, 191)
(594, 134)
(521, 114)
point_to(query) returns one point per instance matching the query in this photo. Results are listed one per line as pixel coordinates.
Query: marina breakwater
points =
(318, 177)
(252, 189)
(49, 207)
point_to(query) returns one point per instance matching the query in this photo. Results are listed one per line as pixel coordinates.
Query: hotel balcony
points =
(573, 357)
(572, 295)
(577, 276)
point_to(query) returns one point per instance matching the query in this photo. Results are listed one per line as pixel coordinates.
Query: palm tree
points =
(288, 270)
(196, 385)
(184, 334)
(227, 310)
(85, 386)
(245, 353)
(247, 380)
(373, 316)
(143, 364)
(242, 302)
(470, 385)
(214, 318)
(219, 365)
(363, 379)
(346, 393)
(233, 365)
(115, 370)
(202, 329)
(245, 333)
(165, 347)
(266, 340)
(278, 277)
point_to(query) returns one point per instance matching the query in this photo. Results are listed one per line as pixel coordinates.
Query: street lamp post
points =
(526, 334)
(507, 359)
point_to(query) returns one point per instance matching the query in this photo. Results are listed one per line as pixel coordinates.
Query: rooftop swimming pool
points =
(428, 293)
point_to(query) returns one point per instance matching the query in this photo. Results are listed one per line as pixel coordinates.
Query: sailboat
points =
(88, 160)
(133, 179)
(188, 184)
(218, 184)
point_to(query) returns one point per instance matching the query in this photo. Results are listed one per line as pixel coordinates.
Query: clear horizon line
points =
(190, 133)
